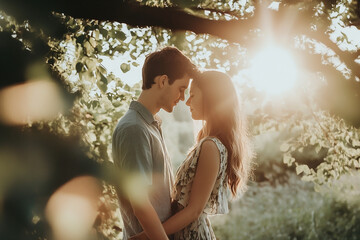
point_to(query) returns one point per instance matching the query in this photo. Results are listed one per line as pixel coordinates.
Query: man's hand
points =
(140, 236)
(148, 218)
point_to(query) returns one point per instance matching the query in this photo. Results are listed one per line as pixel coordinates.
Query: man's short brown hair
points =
(168, 61)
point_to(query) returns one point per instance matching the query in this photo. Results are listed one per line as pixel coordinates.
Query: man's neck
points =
(148, 100)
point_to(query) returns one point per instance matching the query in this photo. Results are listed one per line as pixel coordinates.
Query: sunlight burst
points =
(273, 70)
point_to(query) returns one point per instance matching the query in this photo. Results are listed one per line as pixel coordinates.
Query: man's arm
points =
(148, 218)
(135, 159)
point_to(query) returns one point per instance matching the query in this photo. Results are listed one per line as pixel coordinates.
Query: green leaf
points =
(88, 48)
(120, 49)
(118, 115)
(120, 35)
(125, 67)
(302, 169)
(133, 56)
(118, 82)
(102, 83)
(87, 28)
(95, 103)
(133, 41)
(103, 79)
(80, 39)
(288, 159)
(127, 88)
(137, 92)
(122, 96)
(135, 64)
(104, 32)
(98, 48)
(307, 178)
(345, 37)
(91, 64)
(116, 103)
(93, 42)
(102, 70)
(79, 67)
(74, 29)
(109, 96)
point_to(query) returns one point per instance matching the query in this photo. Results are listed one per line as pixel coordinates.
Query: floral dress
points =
(201, 229)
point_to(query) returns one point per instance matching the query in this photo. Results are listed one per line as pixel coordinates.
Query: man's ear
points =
(161, 80)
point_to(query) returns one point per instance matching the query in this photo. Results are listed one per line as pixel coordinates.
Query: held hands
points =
(139, 236)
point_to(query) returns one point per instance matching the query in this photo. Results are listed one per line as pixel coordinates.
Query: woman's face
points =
(195, 102)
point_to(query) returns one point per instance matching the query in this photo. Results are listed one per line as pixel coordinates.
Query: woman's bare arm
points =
(203, 184)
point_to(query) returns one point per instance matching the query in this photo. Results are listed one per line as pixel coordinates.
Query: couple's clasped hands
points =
(139, 236)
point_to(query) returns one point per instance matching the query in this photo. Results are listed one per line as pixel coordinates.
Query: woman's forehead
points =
(193, 86)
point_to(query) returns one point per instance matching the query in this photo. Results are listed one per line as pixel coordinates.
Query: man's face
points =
(174, 93)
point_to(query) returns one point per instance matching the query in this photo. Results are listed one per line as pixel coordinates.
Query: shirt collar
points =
(143, 111)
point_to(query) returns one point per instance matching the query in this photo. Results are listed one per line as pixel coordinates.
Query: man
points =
(139, 149)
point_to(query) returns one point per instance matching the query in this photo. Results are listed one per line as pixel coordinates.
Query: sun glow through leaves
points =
(273, 70)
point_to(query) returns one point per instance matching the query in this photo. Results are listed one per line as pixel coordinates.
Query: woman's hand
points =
(139, 236)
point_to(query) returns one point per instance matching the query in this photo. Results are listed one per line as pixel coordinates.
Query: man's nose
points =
(188, 102)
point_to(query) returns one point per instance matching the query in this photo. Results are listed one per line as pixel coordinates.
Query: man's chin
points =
(169, 109)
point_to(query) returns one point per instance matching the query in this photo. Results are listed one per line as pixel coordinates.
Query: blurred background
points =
(70, 69)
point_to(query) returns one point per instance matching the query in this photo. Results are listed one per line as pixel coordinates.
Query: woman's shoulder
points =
(212, 142)
(209, 145)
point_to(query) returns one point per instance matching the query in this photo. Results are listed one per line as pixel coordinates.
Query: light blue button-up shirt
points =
(139, 149)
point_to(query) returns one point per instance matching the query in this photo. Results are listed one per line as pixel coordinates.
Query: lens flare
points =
(30, 101)
(72, 209)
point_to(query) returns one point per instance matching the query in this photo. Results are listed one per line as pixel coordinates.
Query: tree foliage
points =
(324, 133)
(74, 38)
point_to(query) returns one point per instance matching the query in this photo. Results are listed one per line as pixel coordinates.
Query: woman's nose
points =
(188, 102)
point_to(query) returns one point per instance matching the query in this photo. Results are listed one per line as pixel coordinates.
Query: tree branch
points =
(276, 23)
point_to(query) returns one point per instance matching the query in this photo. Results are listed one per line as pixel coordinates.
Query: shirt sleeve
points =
(133, 154)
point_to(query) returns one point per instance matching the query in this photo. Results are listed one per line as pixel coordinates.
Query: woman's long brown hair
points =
(225, 121)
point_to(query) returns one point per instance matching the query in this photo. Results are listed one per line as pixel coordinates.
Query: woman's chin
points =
(194, 117)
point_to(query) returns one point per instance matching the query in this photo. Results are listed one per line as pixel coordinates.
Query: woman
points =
(220, 160)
